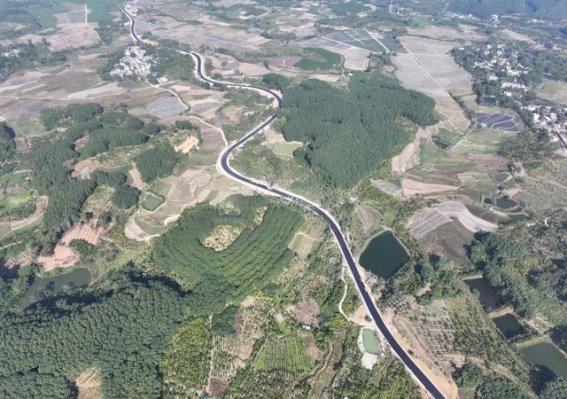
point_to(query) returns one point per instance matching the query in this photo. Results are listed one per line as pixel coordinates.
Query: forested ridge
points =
(348, 134)
(123, 330)
(259, 252)
(141, 330)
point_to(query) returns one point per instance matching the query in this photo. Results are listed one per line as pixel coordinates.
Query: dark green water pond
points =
(501, 177)
(547, 355)
(489, 298)
(518, 217)
(384, 255)
(505, 203)
(44, 287)
(509, 325)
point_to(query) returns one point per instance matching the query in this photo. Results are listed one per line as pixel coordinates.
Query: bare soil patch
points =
(84, 232)
(187, 145)
(89, 384)
(462, 32)
(284, 61)
(305, 312)
(413, 188)
(406, 335)
(136, 176)
(63, 257)
(428, 67)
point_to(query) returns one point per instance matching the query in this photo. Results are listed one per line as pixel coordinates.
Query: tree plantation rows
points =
(348, 134)
(259, 252)
(123, 330)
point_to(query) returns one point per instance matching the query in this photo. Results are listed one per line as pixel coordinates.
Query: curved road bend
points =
(200, 73)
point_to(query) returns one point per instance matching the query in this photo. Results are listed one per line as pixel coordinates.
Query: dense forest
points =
(348, 134)
(7, 142)
(158, 161)
(123, 330)
(258, 253)
(548, 9)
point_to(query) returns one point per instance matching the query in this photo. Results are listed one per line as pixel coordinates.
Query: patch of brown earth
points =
(89, 384)
(137, 178)
(305, 312)
(83, 232)
(63, 257)
(187, 145)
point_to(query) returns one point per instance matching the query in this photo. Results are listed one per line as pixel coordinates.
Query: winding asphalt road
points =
(224, 160)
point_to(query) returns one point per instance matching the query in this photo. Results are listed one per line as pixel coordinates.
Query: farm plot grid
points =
(499, 121)
(355, 45)
(356, 38)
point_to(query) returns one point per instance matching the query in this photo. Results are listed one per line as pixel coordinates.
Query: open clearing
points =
(230, 353)
(74, 30)
(211, 33)
(89, 384)
(354, 45)
(23, 95)
(63, 257)
(413, 188)
(462, 32)
(553, 91)
(425, 222)
(429, 68)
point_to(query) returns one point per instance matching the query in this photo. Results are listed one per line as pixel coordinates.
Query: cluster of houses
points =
(134, 64)
(552, 118)
(502, 66)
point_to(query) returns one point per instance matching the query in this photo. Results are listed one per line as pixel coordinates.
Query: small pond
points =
(384, 255)
(505, 203)
(547, 355)
(370, 341)
(509, 325)
(47, 286)
(518, 217)
(489, 298)
(501, 177)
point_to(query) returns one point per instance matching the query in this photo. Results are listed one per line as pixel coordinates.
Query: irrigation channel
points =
(224, 163)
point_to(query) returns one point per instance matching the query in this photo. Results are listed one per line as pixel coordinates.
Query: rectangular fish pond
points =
(489, 298)
(547, 355)
(370, 341)
(384, 255)
(43, 287)
(508, 325)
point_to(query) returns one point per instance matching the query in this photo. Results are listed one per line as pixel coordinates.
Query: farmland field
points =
(287, 354)
(316, 58)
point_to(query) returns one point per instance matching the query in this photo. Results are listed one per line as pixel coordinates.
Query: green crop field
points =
(99, 10)
(287, 354)
(317, 58)
(151, 202)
